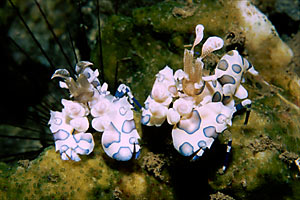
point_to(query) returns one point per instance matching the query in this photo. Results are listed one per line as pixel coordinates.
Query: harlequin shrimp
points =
(69, 126)
(229, 73)
(192, 135)
(204, 105)
(190, 82)
(157, 103)
(69, 133)
(187, 83)
(113, 116)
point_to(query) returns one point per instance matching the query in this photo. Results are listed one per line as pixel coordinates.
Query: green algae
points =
(162, 17)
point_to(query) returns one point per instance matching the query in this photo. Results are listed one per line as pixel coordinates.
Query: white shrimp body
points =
(199, 131)
(120, 137)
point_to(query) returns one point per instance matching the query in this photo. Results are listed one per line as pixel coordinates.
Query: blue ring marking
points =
(116, 141)
(218, 120)
(122, 111)
(58, 121)
(87, 74)
(195, 128)
(186, 149)
(216, 97)
(128, 126)
(58, 135)
(145, 119)
(249, 65)
(150, 95)
(201, 89)
(71, 156)
(63, 148)
(236, 68)
(226, 79)
(147, 106)
(222, 65)
(225, 99)
(96, 83)
(202, 144)
(160, 77)
(210, 132)
(123, 150)
(77, 141)
(76, 157)
(214, 83)
(86, 150)
(132, 140)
